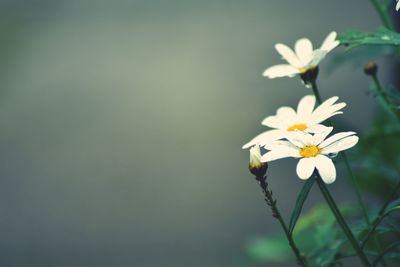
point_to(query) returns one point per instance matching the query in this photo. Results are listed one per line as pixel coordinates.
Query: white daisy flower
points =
(397, 5)
(305, 119)
(302, 59)
(314, 151)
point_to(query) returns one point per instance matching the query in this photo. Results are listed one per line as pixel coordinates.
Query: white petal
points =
(286, 112)
(327, 102)
(305, 168)
(284, 115)
(306, 105)
(279, 144)
(330, 42)
(274, 122)
(284, 152)
(321, 135)
(322, 116)
(398, 6)
(326, 169)
(304, 50)
(299, 139)
(327, 109)
(317, 57)
(317, 128)
(341, 145)
(265, 137)
(335, 138)
(280, 71)
(255, 156)
(288, 55)
(331, 108)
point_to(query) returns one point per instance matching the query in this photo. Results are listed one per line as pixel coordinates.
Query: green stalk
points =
(356, 186)
(382, 254)
(316, 92)
(346, 162)
(351, 174)
(381, 215)
(383, 14)
(275, 212)
(339, 217)
(385, 100)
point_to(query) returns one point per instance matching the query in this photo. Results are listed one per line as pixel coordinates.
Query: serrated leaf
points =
(382, 36)
(301, 198)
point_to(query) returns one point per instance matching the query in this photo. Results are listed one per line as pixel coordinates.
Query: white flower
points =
(305, 119)
(397, 5)
(255, 157)
(314, 151)
(301, 60)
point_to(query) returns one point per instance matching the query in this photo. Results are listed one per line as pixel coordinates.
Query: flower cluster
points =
(300, 133)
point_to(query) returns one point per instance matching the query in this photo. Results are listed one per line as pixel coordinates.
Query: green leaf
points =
(301, 198)
(363, 228)
(393, 206)
(382, 36)
(376, 156)
(269, 249)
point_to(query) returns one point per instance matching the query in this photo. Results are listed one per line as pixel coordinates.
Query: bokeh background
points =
(121, 125)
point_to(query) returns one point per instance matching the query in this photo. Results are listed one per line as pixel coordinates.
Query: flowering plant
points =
(328, 235)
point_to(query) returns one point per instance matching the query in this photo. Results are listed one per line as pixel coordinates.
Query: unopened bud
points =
(371, 69)
(257, 167)
(309, 77)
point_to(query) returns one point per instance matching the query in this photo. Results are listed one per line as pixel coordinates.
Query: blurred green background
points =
(121, 125)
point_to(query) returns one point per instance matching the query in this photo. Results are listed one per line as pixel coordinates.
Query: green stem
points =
(381, 215)
(382, 254)
(275, 212)
(346, 162)
(356, 186)
(316, 92)
(350, 172)
(385, 100)
(342, 222)
(377, 240)
(383, 14)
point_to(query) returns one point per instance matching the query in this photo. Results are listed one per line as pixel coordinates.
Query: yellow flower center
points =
(309, 151)
(302, 71)
(299, 127)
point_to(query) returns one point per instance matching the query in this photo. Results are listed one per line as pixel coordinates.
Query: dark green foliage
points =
(316, 235)
(301, 198)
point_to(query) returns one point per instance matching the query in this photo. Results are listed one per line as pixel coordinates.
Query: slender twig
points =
(341, 221)
(385, 251)
(381, 215)
(275, 212)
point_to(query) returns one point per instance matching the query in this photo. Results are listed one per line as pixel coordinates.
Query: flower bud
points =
(257, 167)
(371, 69)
